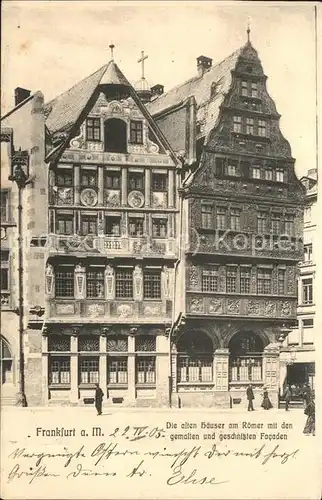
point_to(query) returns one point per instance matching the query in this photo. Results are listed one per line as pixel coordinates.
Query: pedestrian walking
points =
(98, 399)
(266, 403)
(287, 397)
(250, 397)
(310, 421)
(307, 395)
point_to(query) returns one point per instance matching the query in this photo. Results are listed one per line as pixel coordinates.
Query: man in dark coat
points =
(287, 397)
(250, 397)
(98, 399)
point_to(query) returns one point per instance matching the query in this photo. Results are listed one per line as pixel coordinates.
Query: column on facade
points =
(76, 183)
(147, 190)
(162, 369)
(171, 189)
(44, 368)
(124, 186)
(131, 369)
(221, 370)
(80, 278)
(101, 185)
(74, 368)
(103, 363)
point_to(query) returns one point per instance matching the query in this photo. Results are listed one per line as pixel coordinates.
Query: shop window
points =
(145, 370)
(88, 370)
(117, 370)
(195, 358)
(59, 370)
(93, 129)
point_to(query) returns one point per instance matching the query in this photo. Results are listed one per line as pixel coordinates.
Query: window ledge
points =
(185, 384)
(116, 386)
(59, 386)
(87, 386)
(145, 386)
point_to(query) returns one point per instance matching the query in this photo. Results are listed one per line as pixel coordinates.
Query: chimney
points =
(203, 63)
(21, 94)
(157, 90)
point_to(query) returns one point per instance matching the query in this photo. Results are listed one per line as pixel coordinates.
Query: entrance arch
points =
(115, 136)
(246, 357)
(195, 357)
(6, 362)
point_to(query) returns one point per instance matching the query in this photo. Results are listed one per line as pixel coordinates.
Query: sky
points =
(50, 46)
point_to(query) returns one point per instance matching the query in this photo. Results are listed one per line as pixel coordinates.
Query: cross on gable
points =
(141, 60)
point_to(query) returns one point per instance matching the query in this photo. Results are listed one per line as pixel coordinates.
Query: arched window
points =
(115, 136)
(245, 357)
(195, 358)
(6, 362)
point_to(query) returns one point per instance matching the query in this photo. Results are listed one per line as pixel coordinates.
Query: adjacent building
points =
(162, 235)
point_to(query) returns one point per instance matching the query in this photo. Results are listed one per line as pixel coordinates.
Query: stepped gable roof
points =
(63, 111)
(199, 86)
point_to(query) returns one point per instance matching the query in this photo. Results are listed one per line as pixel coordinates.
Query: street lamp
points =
(19, 175)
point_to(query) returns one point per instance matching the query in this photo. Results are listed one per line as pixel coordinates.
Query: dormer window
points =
(136, 132)
(93, 129)
(237, 124)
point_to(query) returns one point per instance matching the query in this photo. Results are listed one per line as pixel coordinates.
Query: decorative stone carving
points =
(112, 198)
(286, 308)
(80, 281)
(124, 311)
(166, 282)
(215, 306)
(95, 309)
(136, 199)
(196, 305)
(138, 283)
(109, 282)
(233, 306)
(64, 195)
(49, 279)
(65, 309)
(159, 200)
(270, 309)
(78, 142)
(88, 197)
(152, 310)
(254, 307)
(193, 280)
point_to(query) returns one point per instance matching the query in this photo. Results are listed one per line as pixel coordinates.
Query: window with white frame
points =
(5, 278)
(124, 284)
(264, 281)
(289, 225)
(276, 223)
(268, 174)
(307, 291)
(235, 219)
(145, 363)
(59, 370)
(206, 216)
(244, 88)
(195, 358)
(88, 370)
(136, 226)
(280, 175)
(88, 224)
(256, 172)
(4, 205)
(64, 223)
(308, 252)
(221, 218)
(254, 89)
(231, 280)
(159, 182)
(250, 126)
(93, 129)
(117, 361)
(232, 168)
(210, 280)
(237, 125)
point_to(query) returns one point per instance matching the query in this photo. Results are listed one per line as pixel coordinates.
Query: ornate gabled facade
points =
(243, 219)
